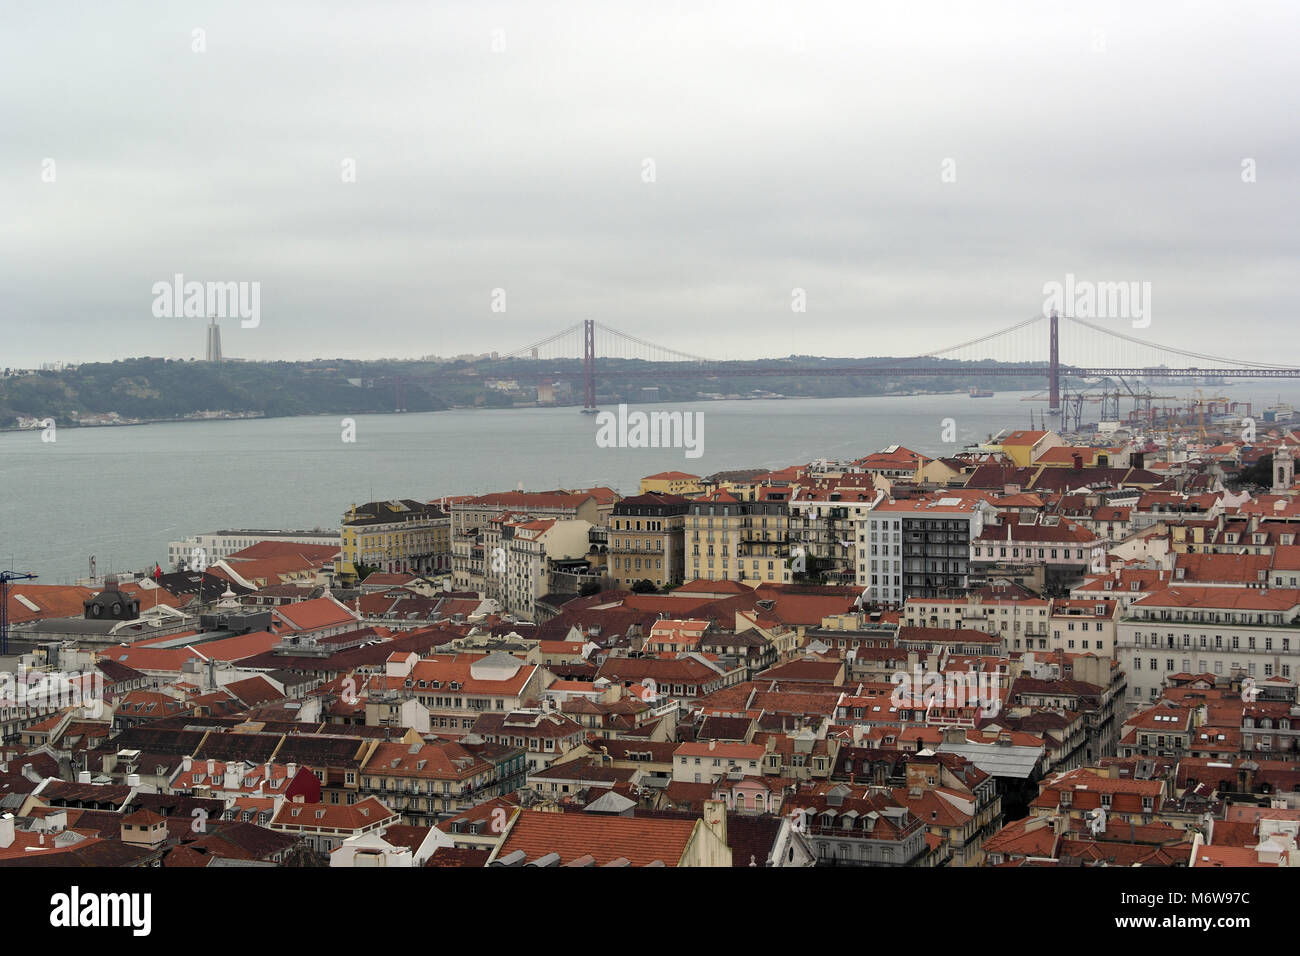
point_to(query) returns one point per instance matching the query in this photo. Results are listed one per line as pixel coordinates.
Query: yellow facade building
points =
(671, 483)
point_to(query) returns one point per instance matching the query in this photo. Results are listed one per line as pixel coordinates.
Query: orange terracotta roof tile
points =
(639, 840)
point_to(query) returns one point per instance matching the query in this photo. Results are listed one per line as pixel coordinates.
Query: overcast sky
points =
(504, 146)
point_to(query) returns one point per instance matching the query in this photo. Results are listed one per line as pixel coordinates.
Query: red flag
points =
(157, 571)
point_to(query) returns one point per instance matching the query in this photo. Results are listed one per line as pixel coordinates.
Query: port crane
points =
(5, 578)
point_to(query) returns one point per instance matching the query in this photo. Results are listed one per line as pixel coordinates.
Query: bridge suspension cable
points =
(983, 338)
(683, 356)
(1186, 353)
(970, 343)
(574, 330)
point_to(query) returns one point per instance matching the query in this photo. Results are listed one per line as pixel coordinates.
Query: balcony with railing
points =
(639, 550)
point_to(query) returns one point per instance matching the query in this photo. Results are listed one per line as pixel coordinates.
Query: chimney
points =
(187, 764)
(715, 818)
(6, 831)
(83, 776)
(1078, 462)
(212, 766)
(133, 780)
(713, 745)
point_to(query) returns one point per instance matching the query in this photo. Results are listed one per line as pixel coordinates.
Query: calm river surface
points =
(122, 493)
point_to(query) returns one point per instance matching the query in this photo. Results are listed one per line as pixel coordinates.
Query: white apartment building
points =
(919, 547)
(1060, 545)
(528, 548)
(1017, 616)
(1123, 585)
(1083, 627)
(824, 522)
(1246, 632)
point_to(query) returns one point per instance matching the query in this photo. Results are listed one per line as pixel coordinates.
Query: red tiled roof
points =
(317, 613)
(526, 499)
(700, 585)
(51, 600)
(312, 554)
(1018, 438)
(639, 840)
(314, 816)
(1235, 598)
(143, 656)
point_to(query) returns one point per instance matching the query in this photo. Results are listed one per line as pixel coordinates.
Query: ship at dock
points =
(1279, 414)
(976, 392)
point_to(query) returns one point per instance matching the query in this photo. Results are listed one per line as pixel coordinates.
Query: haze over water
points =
(122, 493)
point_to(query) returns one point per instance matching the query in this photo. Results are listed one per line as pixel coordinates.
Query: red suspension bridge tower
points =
(1054, 369)
(589, 366)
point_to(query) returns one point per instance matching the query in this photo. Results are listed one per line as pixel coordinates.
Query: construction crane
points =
(1200, 404)
(5, 578)
(1107, 395)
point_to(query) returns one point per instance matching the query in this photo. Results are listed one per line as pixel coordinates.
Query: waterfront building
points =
(671, 483)
(398, 535)
(218, 545)
(647, 540)
(1023, 447)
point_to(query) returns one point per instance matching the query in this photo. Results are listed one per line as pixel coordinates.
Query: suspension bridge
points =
(1036, 348)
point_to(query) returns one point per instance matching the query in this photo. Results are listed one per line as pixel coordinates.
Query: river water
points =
(122, 493)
